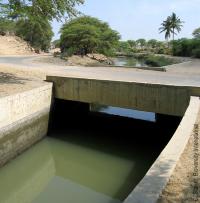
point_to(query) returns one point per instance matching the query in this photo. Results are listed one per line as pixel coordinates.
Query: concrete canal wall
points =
(151, 187)
(23, 120)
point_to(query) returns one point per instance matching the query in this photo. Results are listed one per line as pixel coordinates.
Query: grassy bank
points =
(159, 61)
(151, 59)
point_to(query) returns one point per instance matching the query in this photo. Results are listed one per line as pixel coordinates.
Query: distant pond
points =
(129, 62)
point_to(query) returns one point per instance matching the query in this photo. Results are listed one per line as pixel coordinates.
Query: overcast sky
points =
(135, 19)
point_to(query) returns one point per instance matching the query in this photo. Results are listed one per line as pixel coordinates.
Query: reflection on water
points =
(56, 171)
(130, 113)
(129, 61)
(90, 158)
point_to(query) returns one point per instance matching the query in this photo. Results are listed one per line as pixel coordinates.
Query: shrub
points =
(6, 26)
(186, 47)
(158, 61)
(196, 53)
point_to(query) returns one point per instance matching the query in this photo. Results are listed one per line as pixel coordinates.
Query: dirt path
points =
(184, 184)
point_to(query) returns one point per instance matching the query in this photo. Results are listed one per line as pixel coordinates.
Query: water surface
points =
(94, 158)
(129, 62)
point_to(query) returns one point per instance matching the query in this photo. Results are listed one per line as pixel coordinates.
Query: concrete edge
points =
(172, 65)
(22, 134)
(42, 87)
(21, 104)
(151, 186)
(161, 69)
(49, 78)
(32, 117)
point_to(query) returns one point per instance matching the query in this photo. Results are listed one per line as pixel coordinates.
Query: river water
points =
(93, 158)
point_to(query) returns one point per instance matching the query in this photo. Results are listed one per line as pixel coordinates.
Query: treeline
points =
(186, 47)
(142, 46)
(31, 20)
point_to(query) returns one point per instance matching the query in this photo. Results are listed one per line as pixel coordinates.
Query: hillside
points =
(12, 45)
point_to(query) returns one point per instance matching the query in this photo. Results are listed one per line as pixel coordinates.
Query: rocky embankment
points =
(100, 58)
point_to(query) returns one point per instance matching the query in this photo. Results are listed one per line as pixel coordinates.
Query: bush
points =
(7, 26)
(158, 61)
(196, 53)
(186, 47)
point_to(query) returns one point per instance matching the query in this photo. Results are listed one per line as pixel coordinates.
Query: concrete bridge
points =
(153, 91)
(165, 98)
(24, 120)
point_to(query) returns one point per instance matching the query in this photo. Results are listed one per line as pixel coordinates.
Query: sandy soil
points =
(181, 186)
(13, 80)
(70, 61)
(12, 45)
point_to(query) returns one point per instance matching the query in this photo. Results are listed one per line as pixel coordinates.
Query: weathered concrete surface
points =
(164, 99)
(19, 105)
(23, 120)
(191, 67)
(152, 185)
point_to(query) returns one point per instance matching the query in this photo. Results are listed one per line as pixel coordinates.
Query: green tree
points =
(124, 47)
(141, 42)
(166, 27)
(171, 25)
(132, 43)
(187, 47)
(86, 34)
(48, 9)
(196, 33)
(6, 26)
(152, 43)
(176, 24)
(36, 31)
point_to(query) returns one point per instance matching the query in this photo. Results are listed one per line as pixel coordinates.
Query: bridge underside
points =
(158, 98)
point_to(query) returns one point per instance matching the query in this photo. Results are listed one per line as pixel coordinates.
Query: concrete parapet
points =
(23, 120)
(152, 185)
(17, 106)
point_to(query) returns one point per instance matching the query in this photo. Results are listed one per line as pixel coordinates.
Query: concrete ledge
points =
(17, 106)
(24, 120)
(18, 136)
(151, 186)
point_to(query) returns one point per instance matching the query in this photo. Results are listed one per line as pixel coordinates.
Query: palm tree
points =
(167, 28)
(170, 25)
(176, 24)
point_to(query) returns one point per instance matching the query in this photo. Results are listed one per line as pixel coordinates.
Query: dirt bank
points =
(12, 45)
(182, 185)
